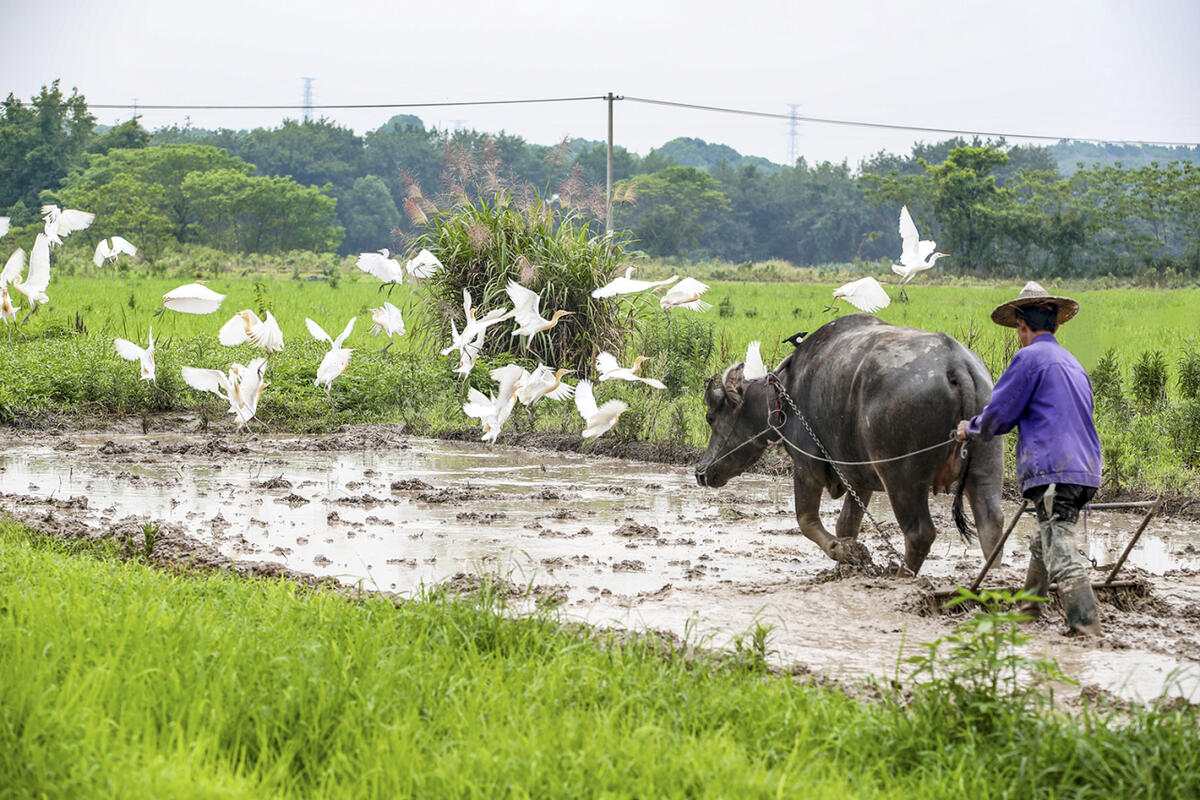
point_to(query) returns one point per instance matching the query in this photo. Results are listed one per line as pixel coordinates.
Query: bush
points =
(1106, 381)
(1189, 372)
(1149, 383)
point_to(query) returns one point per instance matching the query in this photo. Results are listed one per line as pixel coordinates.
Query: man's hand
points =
(961, 432)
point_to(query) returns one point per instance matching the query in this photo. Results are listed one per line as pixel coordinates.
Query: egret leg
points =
(159, 312)
(386, 346)
(390, 288)
(32, 311)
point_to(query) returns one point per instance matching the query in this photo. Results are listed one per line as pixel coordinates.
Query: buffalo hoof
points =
(850, 551)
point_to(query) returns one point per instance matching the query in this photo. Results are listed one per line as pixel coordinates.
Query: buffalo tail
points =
(956, 510)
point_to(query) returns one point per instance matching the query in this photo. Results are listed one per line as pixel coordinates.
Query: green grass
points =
(62, 370)
(121, 681)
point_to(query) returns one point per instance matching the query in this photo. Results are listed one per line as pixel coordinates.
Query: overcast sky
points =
(1105, 69)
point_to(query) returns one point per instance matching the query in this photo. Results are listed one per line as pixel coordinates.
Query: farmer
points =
(1046, 393)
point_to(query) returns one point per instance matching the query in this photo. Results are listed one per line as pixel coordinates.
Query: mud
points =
(619, 543)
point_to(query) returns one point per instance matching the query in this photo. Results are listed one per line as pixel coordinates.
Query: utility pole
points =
(793, 133)
(608, 189)
(308, 82)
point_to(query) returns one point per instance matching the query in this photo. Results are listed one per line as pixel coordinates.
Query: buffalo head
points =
(736, 410)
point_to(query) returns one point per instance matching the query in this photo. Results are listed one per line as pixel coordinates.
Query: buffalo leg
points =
(911, 506)
(983, 492)
(850, 520)
(808, 517)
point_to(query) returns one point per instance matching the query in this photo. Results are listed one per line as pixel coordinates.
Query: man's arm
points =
(1009, 398)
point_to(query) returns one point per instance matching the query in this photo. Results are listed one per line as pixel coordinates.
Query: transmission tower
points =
(793, 134)
(308, 82)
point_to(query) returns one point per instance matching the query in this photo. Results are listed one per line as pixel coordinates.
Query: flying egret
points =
(493, 412)
(628, 285)
(4, 225)
(596, 420)
(386, 319)
(241, 388)
(245, 326)
(473, 327)
(685, 294)
(38, 276)
(525, 311)
(423, 264)
(132, 352)
(110, 249)
(191, 298)
(544, 382)
(12, 272)
(753, 368)
(64, 222)
(610, 370)
(916, 254)
(864, 294)
(469, 352)
(382, 266)
(337, 359)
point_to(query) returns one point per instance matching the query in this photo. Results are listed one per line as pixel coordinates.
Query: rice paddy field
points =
(68, 367)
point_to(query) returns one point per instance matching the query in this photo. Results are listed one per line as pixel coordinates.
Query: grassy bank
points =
(126, 682)
(1144, 341)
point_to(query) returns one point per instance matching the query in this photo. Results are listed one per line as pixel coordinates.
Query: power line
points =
(898, 127)
(335, 107)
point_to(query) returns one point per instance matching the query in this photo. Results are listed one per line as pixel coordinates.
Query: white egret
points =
(864, 294)
(610, 370)
(525, 311)
(382, 266)
(245, 326)
(241, 388)
(423, 264)
(111, 249)
(685, 294)
(337, 359)
(12, 271)
(469, 352)
(494, 411)
(916, 254)
(386, 319)
(596, 420)
(38, 276)
(544, 382)
(132, 352)
(191, 298)
(473, 327)
(4, 225)
(754, 368)
(628, 285)
(64, 222)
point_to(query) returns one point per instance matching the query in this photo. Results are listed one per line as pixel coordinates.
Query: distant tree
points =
(400, 153)
(40, 142)
(593, 162)
(126, 136)
(369, 214)
(673, 206)
(313, 153)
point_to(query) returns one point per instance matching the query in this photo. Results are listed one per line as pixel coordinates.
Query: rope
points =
(861, 463)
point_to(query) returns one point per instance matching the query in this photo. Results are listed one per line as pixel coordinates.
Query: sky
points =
(1099, 69)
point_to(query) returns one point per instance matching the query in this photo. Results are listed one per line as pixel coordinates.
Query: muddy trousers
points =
(1054, 557)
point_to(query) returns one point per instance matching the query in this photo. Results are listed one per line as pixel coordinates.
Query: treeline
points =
(998, 209)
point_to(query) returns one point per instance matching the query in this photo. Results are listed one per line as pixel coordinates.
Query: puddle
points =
(626, 543)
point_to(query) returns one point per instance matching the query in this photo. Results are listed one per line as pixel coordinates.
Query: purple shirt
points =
(1045, 392)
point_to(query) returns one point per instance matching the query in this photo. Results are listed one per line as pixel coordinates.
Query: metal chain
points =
(841, 475)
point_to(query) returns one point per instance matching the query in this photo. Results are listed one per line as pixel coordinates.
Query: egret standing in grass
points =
(916, 255)
(386, 319)
(610, 370)
(865, 294)
(132, 352)
(336, 360)
(111, 249)
(526, 305)
(596, 420)
(191, 298)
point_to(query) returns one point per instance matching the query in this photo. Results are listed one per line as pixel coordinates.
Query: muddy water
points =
(625, 543)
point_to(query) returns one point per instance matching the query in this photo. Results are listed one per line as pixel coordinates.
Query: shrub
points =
(1149, 383)
(1106, 381)
(1189, 372)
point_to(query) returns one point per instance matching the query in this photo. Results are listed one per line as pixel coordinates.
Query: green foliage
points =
(1189, 371)
(1149, 380)
(1106, 381)
(485, 244)
(683, 350)
(40, 141)
(674, 206)
(369, 215)
(126, 136)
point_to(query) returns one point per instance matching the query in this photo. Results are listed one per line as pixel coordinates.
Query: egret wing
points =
(526, 303)
(754, 367)
(345, 334)
(867, 295)
(424, 265)
(122, 245)
(207, 380)
(4, 225)
(237, 329)
(193, 298)
(128, 350)
(102, 252)
(71, 220)
(379, 265)
(13, 267)
(39, 266)
(606, 362)
(317, 331)
(585, 400)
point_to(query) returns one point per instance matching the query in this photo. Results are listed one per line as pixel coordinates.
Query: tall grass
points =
(125, 682)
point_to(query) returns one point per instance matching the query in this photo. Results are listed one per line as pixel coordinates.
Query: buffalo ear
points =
(733, 381)
(714, 394)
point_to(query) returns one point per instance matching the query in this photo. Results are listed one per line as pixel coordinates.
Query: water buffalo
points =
(870, 391)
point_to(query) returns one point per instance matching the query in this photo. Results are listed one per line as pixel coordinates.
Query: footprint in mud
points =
(629, 566)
